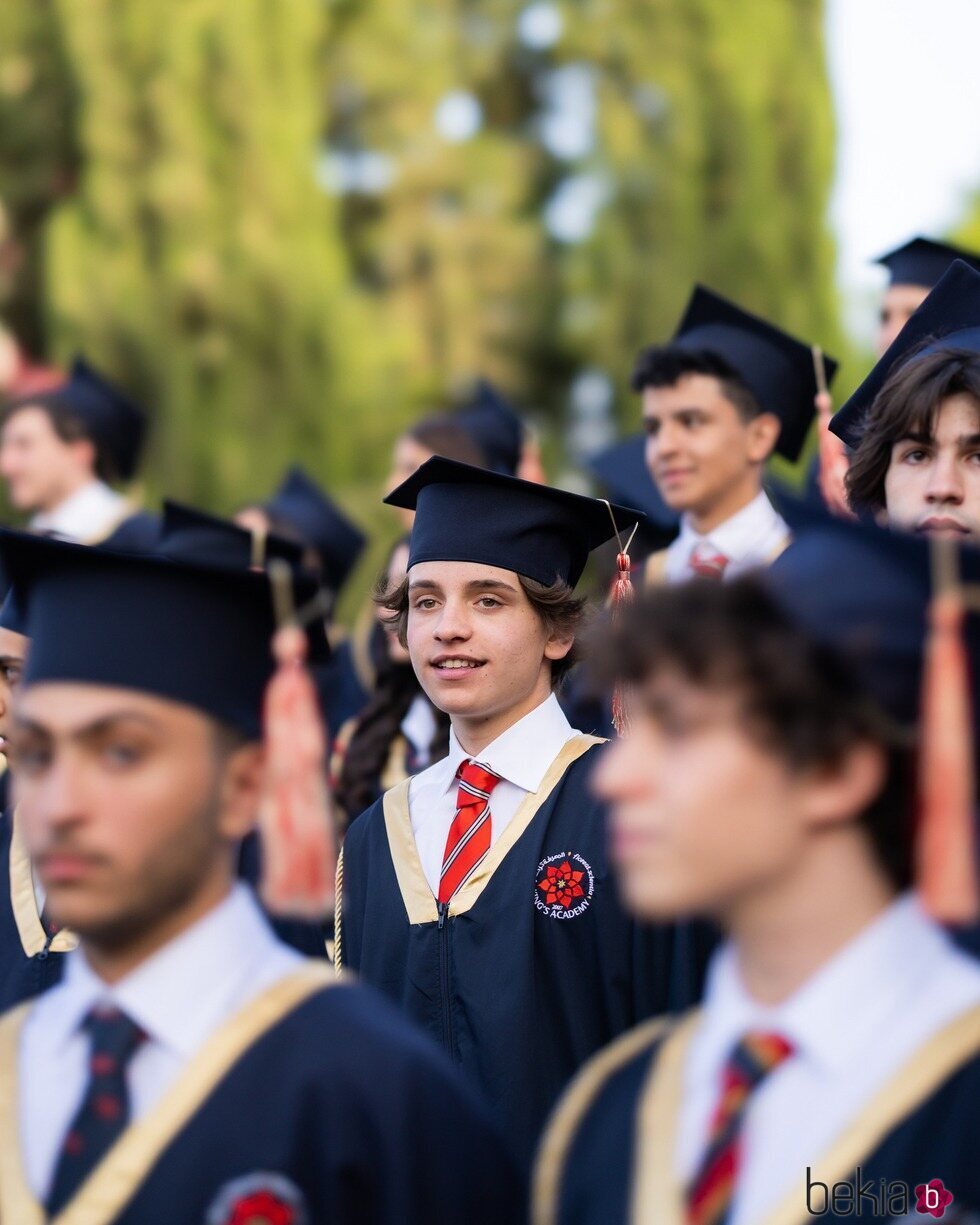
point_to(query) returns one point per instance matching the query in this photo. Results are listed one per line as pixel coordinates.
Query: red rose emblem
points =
(561, 884)
(262, 1208)
(932, 1198)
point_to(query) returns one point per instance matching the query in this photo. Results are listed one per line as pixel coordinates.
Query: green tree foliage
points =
(198, 259)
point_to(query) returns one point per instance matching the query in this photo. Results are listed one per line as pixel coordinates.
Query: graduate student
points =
(767, 783)
(914, 423)
(719, 399)
(478, 894)
(914, 269)
(190, 1067)
(62, 450)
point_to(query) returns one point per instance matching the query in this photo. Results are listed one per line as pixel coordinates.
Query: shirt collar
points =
(741, 535)
(83, 514)
(523, 753)
(864, 982)
(180, 994)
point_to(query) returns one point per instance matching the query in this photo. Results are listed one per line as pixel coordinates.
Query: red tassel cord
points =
(945, 846)
(622, 592)
(295, 819)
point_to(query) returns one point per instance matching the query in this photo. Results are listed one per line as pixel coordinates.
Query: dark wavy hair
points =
(666, 365)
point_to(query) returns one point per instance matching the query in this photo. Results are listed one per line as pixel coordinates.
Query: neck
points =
(475, 732)
(705, 519)
(112, 960)
(67, 490)
(782, 938)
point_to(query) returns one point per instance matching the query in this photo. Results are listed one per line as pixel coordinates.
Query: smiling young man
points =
(914, 424)
(61, 450)
(477, 894)
(190, 1066)
(768, 784)
(718, 400)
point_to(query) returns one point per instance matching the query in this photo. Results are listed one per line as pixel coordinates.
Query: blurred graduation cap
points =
(495, 426)
(189, 534)
(465, 513)
(948, 318)
(922, 261)
(776, 368)
(622, 471)
(115, 424)
(894, 607)
(193, 633)
(300, 503)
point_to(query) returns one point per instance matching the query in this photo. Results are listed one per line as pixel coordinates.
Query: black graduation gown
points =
(30, 959)
(607, 1156)
(137, 533)
(518, 992)
(314, 1104)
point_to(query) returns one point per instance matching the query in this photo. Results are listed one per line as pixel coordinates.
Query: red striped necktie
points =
(469, 834)
(711, 1193)
(706, 561)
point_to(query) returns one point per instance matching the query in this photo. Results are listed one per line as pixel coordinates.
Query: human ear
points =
(763, 434)
(838, 793)
(243, 773)
(558, 646)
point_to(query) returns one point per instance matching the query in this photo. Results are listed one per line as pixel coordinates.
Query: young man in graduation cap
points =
(914, 423)
(718, 400)
(477, 894)
(914, 269)
(190, 1067)
(62, 449)
(767, 783)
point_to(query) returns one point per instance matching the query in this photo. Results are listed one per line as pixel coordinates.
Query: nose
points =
(57, 799)
(453, 624)
(945, 480)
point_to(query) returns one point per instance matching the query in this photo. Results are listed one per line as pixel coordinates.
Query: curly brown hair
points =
(906, 407)
(561, 611)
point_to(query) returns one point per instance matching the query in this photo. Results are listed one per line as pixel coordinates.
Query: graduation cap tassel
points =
(945, 849)
(622, 591)
(295, 819)
(833, 461)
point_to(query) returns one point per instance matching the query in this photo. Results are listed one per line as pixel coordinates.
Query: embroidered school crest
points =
(564, 884)
(259, 1199)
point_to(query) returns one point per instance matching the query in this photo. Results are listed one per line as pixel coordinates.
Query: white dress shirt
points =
(749, 539)
(90, 514)
(419, 728)
(852, 1025)
(179, 997)
(521, 756)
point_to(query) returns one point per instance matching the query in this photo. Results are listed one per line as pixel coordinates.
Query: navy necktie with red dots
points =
(104, 1113)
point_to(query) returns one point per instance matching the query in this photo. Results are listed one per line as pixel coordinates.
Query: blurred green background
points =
(291, 226)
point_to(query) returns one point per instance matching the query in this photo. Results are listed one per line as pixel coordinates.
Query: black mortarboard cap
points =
(948, 318)
(189, 534)
(115, 424)
(180, 630)
(470, 514)
(320, 523)
(495, 427)
(864, 591)
(922, 261)
(776, 368)
(622, 471)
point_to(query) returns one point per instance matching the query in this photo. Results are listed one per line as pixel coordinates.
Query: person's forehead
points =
(449, 574)
(68, 705)
(690, 391)
(12, 645)
(31, 419)
(957, 414)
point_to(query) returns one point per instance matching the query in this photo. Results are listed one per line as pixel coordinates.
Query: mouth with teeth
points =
(456, 665)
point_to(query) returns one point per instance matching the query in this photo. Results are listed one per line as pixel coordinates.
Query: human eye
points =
(913, 455)
(29, 757)
(12, 673)
(122, 754)
(424, 602)
(489, 601)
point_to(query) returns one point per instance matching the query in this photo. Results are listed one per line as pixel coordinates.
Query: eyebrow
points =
(964, 440)
(476, 584)
(6, 660)
(88, 730)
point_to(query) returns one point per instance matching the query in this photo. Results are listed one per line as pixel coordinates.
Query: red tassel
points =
(945, 850)
(622, 593)
(298, 851)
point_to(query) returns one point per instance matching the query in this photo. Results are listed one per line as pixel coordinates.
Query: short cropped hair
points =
(560, 610)
(801, 701)
(907, 407)
(666, 365)
(68, 426)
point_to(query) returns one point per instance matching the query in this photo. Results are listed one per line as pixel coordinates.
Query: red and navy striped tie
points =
(469, 834)
(711, 1193)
